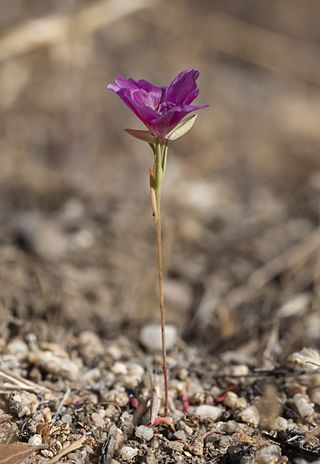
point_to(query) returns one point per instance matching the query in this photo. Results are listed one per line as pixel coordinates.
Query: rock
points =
(119, 368)
(250, 415)
(128, 453)
(280, 424)
(150, 336)
(211, 412)
(90, 345)
(314, 389)
(303, 405)
(233, 401)
(120, 398)
(55, 364)
(18, 348)
(97, 419)
(35, 440)
(134, 375)
(144, 432)
(91, 376)
(307, 358)
(180, 435)
(23, 403)
(270, 454)
(314, 395)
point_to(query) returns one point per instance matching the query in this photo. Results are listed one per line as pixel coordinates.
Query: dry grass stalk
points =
(74, 446)
(19, 383)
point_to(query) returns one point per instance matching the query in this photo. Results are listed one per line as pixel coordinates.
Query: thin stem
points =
(156, 178)
(161, 301)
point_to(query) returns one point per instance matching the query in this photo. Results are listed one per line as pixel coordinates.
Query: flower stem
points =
(156, 184)
(161, 303)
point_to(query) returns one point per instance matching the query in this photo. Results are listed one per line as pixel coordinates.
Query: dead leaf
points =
(14, 453)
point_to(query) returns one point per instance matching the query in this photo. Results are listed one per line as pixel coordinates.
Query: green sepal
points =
(143, 135)
(182, 128)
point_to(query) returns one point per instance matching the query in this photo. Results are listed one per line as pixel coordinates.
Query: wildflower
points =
(163, 111)
(160, 109)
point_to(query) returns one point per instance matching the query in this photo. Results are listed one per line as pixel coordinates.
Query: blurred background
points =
(241, 195)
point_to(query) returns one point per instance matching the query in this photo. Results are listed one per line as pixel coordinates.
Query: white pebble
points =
(233, 401)
(180, 435)
(144, 432)
(128, 453)
(314, 395)
(303, 405)
(280, 424)
(97, 419)
(205, 410)
(250, 416)
(270, 454)
(150, 336)
(18, 348)
(119, 368)
(55, 364)
(35, 440)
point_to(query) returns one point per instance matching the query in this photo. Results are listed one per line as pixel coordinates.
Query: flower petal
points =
(183, 89)
(163, 124)
(151, 95)
(144, 113)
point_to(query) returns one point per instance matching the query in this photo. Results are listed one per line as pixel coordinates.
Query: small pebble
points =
(187, 429)
(270, 454)
(314, 395)
(90, 344)
(35, 440)
(205, 410)
(144, 432)
(233, 401)
(120, 398)
(23, 403)
(18, 348)
(250, 415)
(91, 376)
(180, 435)
(119, 368)
(303, 405)
(314, 389)
(231, 426)
(280, 424)
(55, 364)
(150, 336)
(241, 369)
(128, 453)
(97, 419)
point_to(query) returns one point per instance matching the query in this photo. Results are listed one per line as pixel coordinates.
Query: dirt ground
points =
(241, 231)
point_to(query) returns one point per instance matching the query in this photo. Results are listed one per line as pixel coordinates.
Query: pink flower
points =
(159, 108)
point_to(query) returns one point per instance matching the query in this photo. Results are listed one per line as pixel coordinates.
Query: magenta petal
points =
(162, 125)
(144, 113)
(159, 108)
(156, 93)
(183, 89)
(150, 95)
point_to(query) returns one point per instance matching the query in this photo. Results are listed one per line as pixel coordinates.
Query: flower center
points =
(165, 106)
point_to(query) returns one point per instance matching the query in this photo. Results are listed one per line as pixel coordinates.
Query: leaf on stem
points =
(182, 128)
(143, 135)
